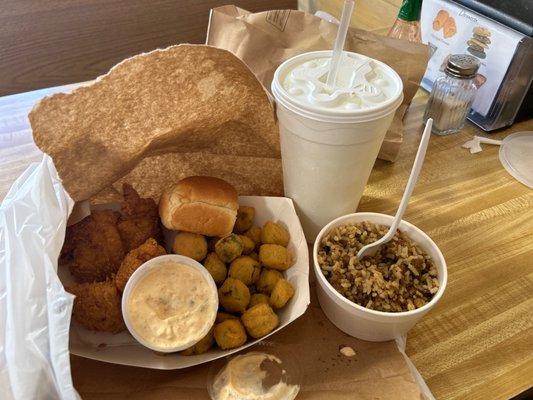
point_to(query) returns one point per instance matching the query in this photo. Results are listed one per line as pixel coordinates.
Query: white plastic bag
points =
(34, 308)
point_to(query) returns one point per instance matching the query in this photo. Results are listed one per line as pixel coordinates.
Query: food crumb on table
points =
(347, 351)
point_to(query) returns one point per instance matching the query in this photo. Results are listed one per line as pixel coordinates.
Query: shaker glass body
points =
(449, 104)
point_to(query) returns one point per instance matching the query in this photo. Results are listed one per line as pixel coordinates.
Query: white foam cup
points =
(330, 139)
(359, 321)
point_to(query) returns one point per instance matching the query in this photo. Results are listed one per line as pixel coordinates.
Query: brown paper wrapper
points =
(377, 371)
(265, 40)
(158, 117)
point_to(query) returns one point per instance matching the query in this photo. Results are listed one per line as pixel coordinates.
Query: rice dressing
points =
(243, 379)
(172, 305)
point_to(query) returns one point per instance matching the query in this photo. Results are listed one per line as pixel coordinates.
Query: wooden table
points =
(478, 342)
(78, 40)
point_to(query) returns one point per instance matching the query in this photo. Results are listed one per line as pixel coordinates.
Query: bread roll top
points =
(200, 204)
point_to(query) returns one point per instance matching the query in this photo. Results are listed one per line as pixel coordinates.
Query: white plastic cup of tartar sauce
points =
(170, 303)
(330, 139)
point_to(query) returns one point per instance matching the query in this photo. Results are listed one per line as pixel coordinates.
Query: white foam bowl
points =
(150, 266)
(364, 323)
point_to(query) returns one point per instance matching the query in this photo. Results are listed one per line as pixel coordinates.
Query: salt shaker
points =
(452, 95)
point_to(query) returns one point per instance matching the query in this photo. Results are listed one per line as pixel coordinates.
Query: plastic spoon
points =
(371, 249)
(475, 144)
(339, 42)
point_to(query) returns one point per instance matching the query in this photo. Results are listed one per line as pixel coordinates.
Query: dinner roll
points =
(200, 204)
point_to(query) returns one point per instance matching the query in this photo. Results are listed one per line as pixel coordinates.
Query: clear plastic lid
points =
(267, 373)
(516, 155)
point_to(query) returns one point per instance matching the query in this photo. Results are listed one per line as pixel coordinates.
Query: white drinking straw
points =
(339, 42)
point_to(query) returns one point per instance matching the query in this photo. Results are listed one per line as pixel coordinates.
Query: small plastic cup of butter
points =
(269, 371)
(170, 303)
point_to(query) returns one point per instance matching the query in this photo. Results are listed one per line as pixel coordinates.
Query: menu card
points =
(451, 29)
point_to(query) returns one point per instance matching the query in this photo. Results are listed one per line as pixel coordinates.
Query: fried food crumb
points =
(140, 219)
(135, 258)
(347, 351)
(230, 334)
(260, 320)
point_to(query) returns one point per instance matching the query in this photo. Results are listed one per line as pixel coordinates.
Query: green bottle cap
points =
(410, 10)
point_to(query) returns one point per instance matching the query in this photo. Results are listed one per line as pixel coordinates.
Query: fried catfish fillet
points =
(97, 306)
(135, 258)
(140, 219)
(93, 248)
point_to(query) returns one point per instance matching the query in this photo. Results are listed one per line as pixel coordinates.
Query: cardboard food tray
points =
(123, 349)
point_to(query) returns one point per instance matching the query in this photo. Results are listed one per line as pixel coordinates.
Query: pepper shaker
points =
(452, 95)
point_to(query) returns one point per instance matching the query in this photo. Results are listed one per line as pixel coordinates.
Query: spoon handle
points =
(371, 248)
(413, 178)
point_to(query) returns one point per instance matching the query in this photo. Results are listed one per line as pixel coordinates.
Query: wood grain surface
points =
(47, 43)
(372, 15)
(477, 342)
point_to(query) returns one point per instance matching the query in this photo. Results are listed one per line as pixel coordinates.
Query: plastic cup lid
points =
(516, 155)
(319, 111)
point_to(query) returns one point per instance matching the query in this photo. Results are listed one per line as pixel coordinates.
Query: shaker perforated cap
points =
(462, 66)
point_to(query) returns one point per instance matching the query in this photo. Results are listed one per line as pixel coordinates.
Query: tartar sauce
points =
(172, 305)
(242, 379)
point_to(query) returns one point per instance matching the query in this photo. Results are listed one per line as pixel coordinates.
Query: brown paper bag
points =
(264, 40)
(158, 117)
(377, 371)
